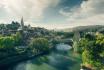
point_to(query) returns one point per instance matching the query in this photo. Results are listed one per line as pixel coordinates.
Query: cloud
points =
(93, 6)
(90, 12)
(48, 26)
(29, 9)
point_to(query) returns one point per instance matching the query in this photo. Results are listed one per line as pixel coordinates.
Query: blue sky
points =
(53, 14)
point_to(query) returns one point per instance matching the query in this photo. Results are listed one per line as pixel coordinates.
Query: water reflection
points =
(63, 47)
(61, 62)
(53, 61)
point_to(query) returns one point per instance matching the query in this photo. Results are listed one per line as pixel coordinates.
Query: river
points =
(57, 60)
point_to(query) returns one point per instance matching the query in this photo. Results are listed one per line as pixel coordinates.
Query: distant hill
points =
(84, 28)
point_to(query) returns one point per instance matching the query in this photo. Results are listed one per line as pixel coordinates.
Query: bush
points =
(40, 44)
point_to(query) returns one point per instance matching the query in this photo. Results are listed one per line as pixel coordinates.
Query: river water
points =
(57, 60)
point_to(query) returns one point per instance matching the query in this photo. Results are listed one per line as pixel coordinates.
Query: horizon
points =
(53, 14)
(26, 24)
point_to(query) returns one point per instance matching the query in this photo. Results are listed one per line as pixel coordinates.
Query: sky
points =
(53, 14)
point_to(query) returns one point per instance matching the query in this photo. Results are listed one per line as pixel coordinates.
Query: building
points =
(21, 25)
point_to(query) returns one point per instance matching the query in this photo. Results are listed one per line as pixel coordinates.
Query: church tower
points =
(22, 23)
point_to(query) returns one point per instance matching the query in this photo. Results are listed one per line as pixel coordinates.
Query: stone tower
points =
(22, 23)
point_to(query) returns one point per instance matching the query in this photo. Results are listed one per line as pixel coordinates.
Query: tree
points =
(13, 26)
(2, 26)
(6, 42)
(76, 38)
(93, 50)
(40, 44)
(18, 39)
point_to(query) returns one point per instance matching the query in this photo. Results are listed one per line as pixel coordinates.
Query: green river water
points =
(54, 61)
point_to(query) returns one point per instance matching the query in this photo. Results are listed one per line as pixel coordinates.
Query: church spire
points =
(22, 23)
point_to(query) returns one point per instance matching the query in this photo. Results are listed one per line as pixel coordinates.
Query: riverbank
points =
(11, 61)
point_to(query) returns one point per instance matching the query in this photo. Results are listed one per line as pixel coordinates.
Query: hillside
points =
(84, 28)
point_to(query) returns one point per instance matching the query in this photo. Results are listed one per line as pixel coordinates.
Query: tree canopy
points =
(40, 44)
(92, 49)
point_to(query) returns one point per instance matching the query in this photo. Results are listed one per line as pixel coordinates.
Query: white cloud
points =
(29, 9)
(90, 12)
(93, 7)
